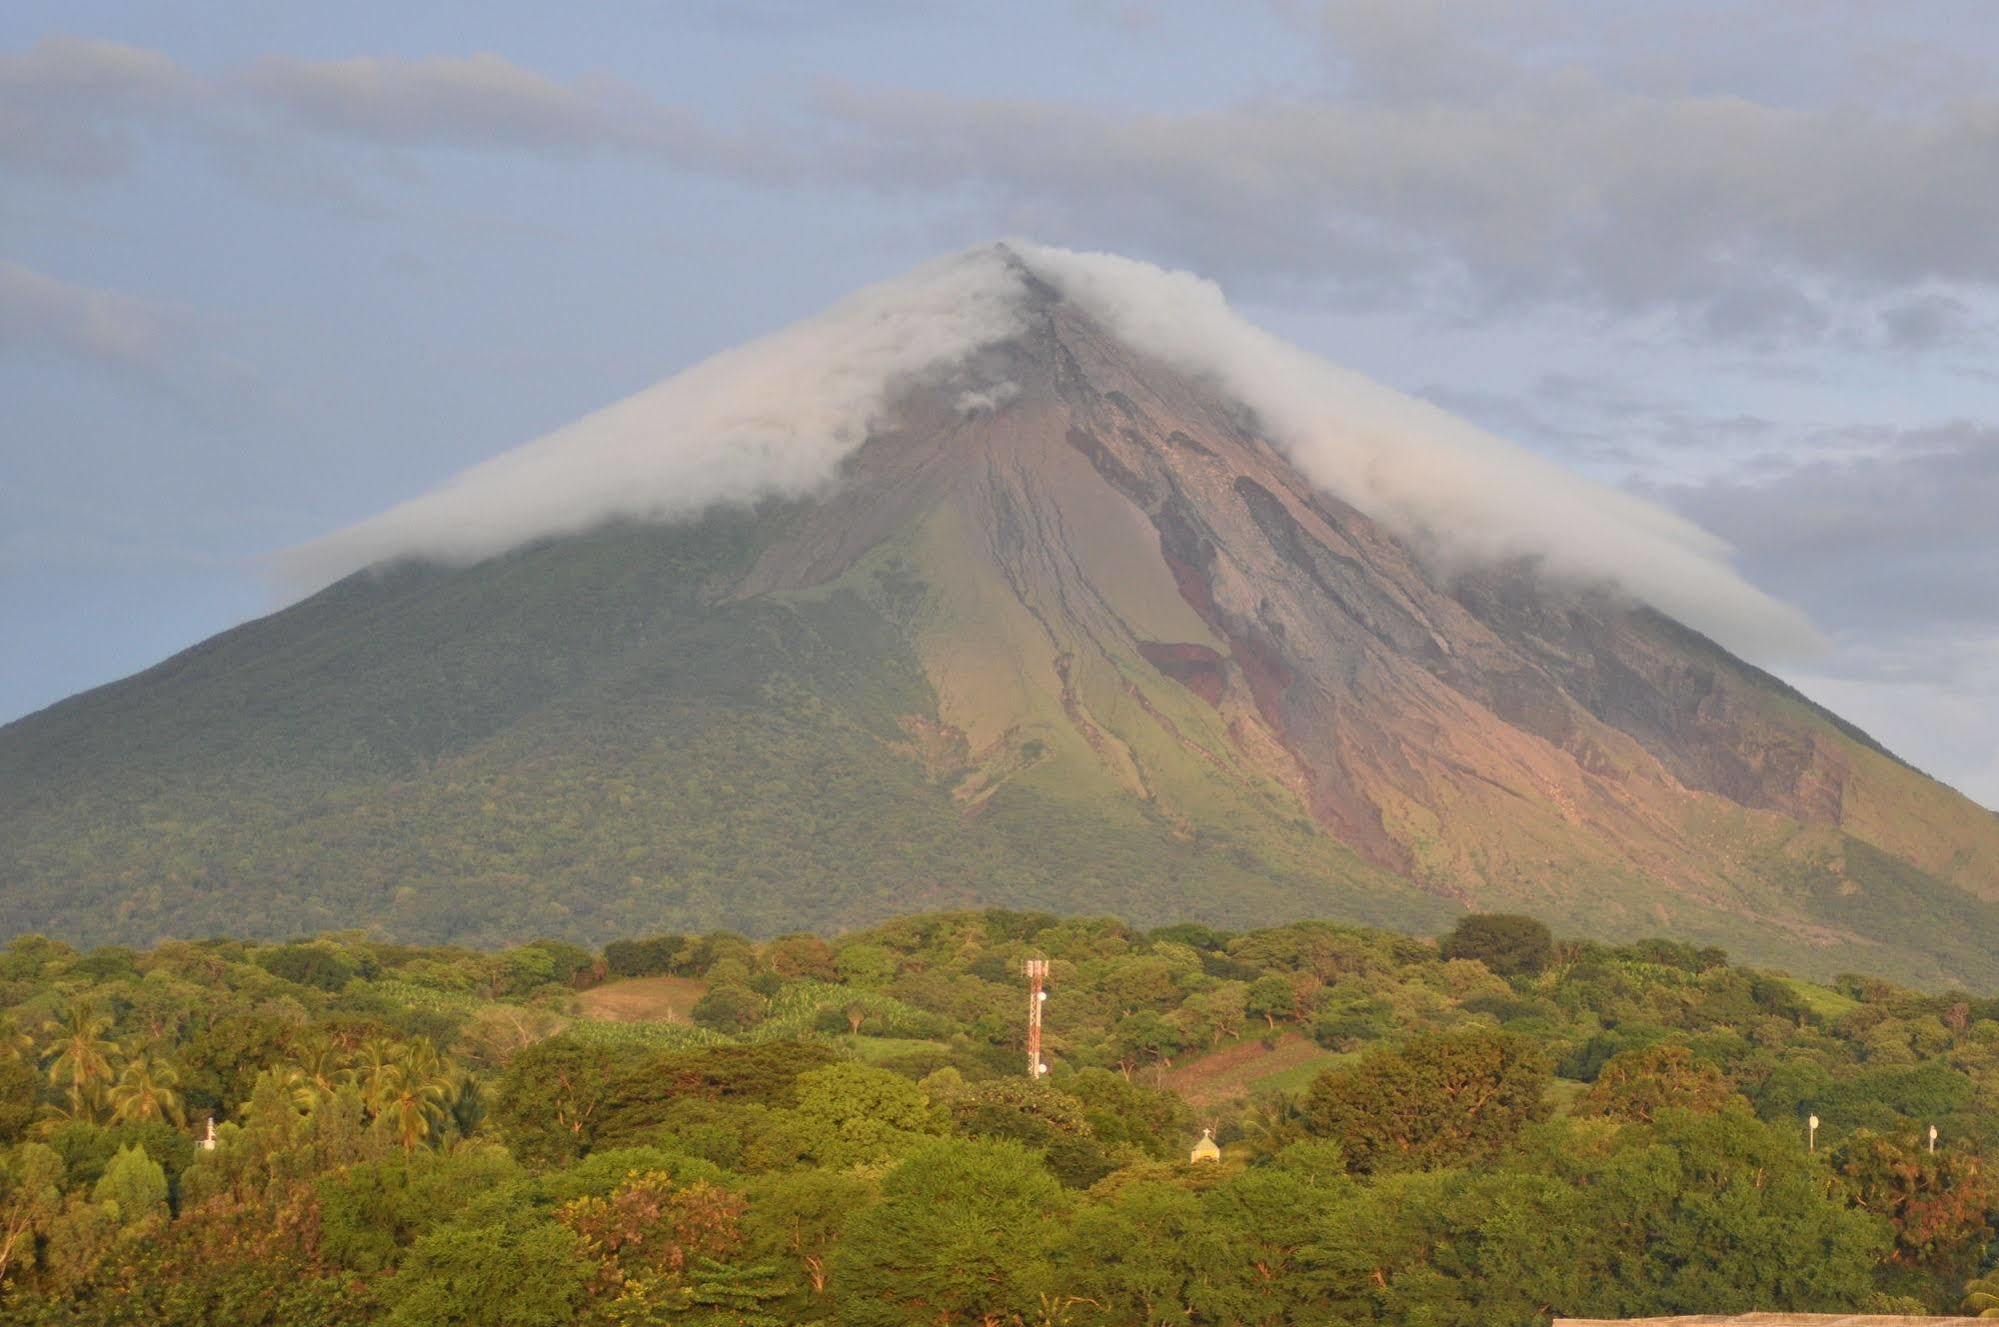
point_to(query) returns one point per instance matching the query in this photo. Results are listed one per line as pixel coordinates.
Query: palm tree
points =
(80, 1057)
(14, 1043)
(1270, 1124)
(1981, 1297)
(315, 1063)
(415, 1105)
(147, 1090)
(426, 1087)
(376, 1070)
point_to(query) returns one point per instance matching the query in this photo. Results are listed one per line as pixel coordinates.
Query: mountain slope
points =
(1070, 631)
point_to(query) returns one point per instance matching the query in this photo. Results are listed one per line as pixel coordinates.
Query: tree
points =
(147, 1090)
(552, 1094)
(1150, 1254)
(652, 956)
(321, 966)
(648, 1230)
(1221, 1010)
(134, 1184)
(1437, 1100)
(1271, 1212)
(371, 1212)
(868, 965)
(15, 1045)
(416, 1102)
(1939, 1203)
(1120, 1113)
(1637, 1085)
(1715, 1213)
(30, 1200)
(1270, 998)
(796, 956)
(1508, 944)
(319, 1072)
(376, 1071)
(517, 1270)
(1018, 1108)
(20, 1095)
(1447, 1248)
(1144, 1037)
(729, 1007)
(853, 1114)
(80, 1057)
(963, 1235)
(800, 1216)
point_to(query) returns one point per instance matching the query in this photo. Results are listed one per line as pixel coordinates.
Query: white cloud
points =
(779, 415)
(979, 400)
(771, 418)
(1425, 473)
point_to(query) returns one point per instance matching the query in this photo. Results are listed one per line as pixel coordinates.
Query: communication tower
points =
(1037, 995)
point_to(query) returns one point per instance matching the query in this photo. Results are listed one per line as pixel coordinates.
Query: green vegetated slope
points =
(1497, 1130)
(580, 740)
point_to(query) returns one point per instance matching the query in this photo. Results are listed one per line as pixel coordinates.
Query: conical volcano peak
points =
(1082, 593)
(780, 416)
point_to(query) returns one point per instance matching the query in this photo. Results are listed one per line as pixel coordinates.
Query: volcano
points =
(1034, 580)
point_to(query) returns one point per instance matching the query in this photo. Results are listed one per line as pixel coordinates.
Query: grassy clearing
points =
(1563, 1093)
(1822, 1000)
(877, 1050)
(643, 1000)
(1236, 1071)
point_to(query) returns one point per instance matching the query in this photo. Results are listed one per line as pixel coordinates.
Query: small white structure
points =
(1206, 1149)
(207, 1143)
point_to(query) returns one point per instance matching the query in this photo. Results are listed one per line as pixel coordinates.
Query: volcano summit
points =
(1033, 578)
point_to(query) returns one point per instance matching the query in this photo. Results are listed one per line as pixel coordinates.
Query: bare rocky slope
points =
(1097, 646)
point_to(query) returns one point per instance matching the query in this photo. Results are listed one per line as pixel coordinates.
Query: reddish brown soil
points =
(1195, 667)
(1231, 1072)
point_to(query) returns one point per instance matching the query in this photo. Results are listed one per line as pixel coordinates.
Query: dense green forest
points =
(1495, 1128)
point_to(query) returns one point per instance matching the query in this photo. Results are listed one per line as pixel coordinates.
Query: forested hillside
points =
(703, 1130)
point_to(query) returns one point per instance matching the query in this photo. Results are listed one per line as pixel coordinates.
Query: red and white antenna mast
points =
(1037, 977)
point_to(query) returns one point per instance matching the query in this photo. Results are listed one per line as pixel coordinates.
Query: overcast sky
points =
(266, 270)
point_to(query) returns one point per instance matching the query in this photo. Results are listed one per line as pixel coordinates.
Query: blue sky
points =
(266, 270)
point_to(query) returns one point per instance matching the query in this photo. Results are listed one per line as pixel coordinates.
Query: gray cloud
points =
(1886, 537)
(71, 109)
(480, 101)
(97, 327)
(1720, 207)
(172, 353)
(68, 107)
(1889, 533)
(1617, 428)
(1927, 320)
(1434, 164)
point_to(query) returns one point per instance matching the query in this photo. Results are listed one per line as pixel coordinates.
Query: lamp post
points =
(1812, 1134)
(1933, 1138)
